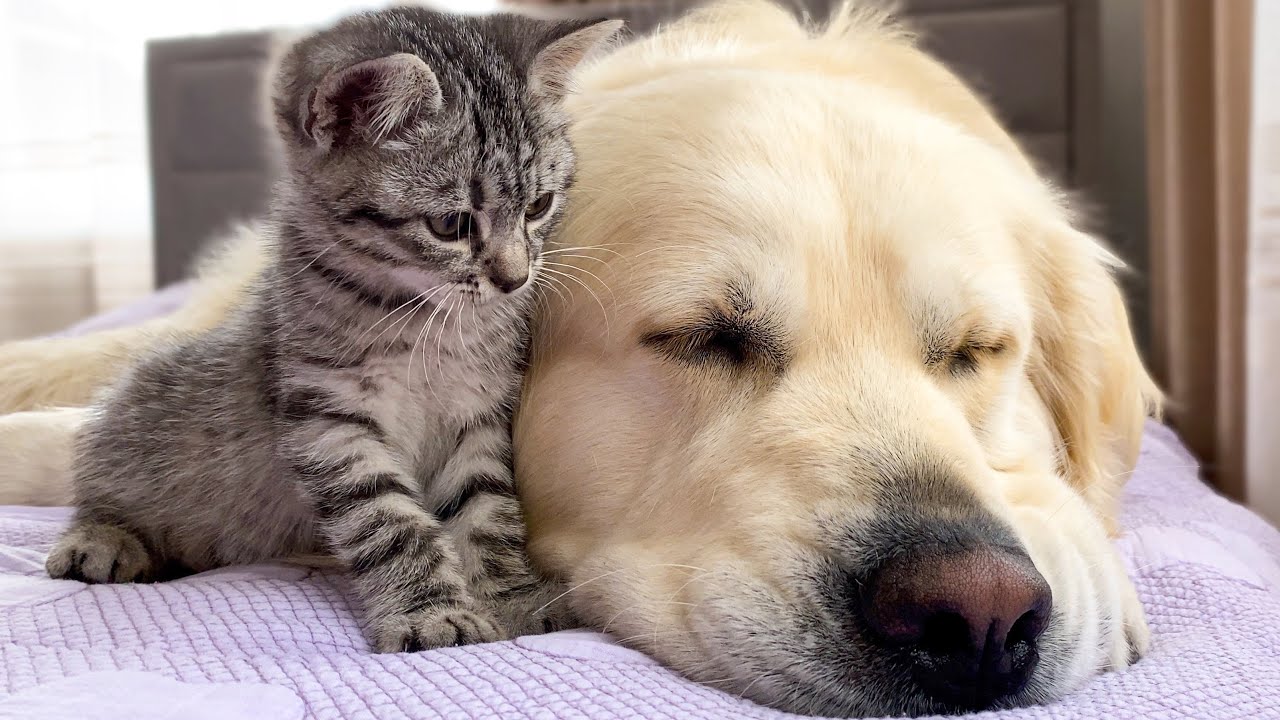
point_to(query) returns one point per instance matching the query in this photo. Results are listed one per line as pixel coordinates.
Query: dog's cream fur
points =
(866, 201)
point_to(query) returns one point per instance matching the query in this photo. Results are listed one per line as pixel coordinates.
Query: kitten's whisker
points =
(303, 269)
(403, 324)
(588, 257)
(444, 325)
(561, 286)
(603, 284)
(462, 343)
(423, 297)
(603, 312)
(408, 366)
(582, 248)
(426, 373)
(542, 283)
(577, 587)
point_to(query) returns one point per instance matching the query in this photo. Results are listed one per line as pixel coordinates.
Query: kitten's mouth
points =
(478, 296)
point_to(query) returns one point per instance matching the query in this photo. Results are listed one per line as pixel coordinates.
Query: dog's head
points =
(835, 407)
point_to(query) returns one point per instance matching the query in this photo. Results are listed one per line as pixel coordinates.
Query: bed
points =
(282, 641)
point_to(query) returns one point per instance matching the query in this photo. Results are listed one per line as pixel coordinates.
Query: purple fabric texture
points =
(161, 302)
(275, 641)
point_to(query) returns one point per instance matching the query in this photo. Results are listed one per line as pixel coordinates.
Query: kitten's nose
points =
(507, 261)
(510, 282)
(508, 265)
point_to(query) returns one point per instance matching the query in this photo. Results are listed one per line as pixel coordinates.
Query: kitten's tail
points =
(35, 456)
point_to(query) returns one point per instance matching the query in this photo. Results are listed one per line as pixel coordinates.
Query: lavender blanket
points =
(282, 643)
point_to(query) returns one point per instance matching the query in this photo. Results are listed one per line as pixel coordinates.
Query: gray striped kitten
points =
(361, 403)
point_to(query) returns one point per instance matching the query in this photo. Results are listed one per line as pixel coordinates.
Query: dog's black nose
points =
(968, 620)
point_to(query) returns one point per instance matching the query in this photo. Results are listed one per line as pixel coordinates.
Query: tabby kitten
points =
(361, 403)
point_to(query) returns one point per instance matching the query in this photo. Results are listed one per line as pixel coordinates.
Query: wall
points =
(1123, 183)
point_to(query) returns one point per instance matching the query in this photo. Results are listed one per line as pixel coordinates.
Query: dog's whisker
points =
(608, 192)
(670, 600)
(647, 634)
(611, 573)
(1065, 503)
(743, 692)
(1146, 467)
(642, 253)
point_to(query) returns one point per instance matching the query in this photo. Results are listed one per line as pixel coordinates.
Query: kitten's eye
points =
(454, 226)
(538, 208)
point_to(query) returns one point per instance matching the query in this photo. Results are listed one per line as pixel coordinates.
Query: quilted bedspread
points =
(281, 642)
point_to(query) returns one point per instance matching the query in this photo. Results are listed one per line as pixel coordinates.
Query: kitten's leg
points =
(405, 568)
(483, 515)
(100, 552)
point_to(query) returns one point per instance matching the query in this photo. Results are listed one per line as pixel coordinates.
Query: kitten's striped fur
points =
(361, 403)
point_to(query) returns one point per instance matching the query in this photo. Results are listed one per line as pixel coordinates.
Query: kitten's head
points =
(431, 148)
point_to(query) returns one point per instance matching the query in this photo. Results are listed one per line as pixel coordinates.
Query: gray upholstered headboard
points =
(212, 163)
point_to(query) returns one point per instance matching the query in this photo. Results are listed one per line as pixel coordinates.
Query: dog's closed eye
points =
(720, 341)
(701, 344)
(965, 356)
(734, 331)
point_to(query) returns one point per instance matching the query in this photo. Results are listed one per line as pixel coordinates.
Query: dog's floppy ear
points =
(1084, 364)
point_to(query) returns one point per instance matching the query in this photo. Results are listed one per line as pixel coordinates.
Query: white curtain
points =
(1263, 329)
(75, 216)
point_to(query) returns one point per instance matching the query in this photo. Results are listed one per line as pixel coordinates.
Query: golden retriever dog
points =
(835, 403)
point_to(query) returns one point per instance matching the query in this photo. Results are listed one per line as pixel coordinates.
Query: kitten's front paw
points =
(98, 553)
(443, 626)
(539, 609)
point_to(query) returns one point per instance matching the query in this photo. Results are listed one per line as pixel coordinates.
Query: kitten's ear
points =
(554, 65)
(370, 101)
